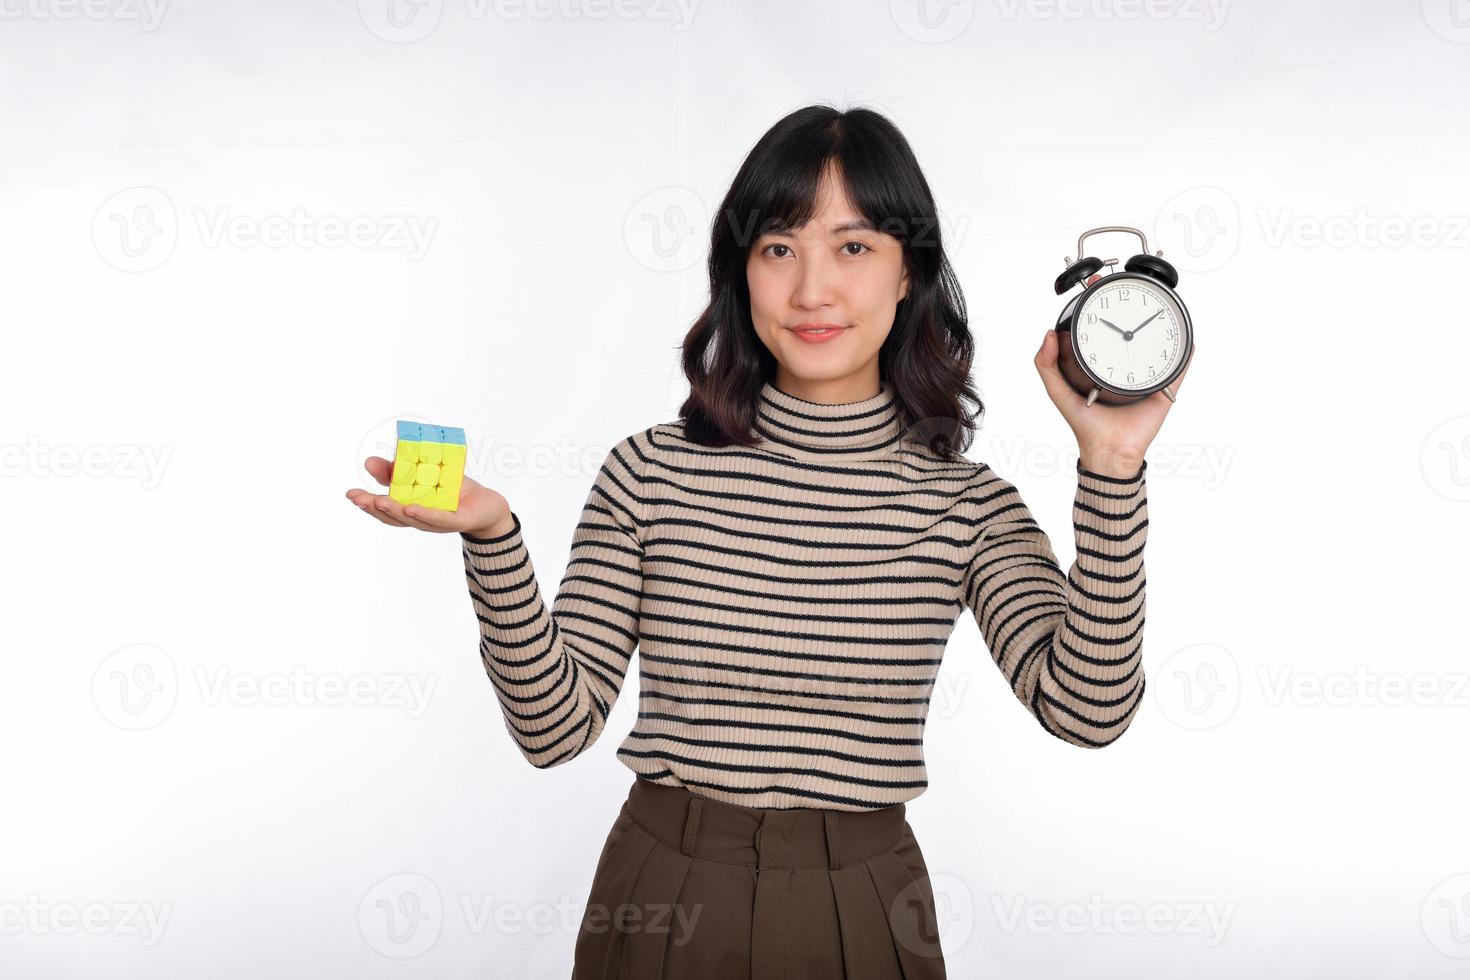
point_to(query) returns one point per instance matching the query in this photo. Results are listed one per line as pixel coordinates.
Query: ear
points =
(903, 282)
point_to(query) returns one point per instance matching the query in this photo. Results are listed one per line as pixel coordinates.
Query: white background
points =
(189, 392)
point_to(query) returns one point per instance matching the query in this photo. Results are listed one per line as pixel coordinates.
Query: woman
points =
(790, 556)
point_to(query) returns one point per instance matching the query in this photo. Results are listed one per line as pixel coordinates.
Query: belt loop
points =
(829, 818)
(691, 824)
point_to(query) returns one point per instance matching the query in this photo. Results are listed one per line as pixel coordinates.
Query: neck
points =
(869, 427)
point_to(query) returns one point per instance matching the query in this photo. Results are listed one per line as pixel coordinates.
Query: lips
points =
(816, 333)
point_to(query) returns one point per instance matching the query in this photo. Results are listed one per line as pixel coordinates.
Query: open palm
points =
(482, 511)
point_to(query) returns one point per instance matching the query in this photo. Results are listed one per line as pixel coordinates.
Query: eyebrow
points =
(857, 224)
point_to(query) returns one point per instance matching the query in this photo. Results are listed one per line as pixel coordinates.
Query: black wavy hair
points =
(928, 353)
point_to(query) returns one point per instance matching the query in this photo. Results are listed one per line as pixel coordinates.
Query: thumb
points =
(1046, 365)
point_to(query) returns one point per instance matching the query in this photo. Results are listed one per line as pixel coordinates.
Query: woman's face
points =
(835, 271)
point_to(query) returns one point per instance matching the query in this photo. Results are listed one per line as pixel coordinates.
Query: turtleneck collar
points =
(819, 430)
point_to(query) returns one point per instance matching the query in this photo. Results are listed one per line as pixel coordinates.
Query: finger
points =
(409, 518)
(380, 469)
(364, 502)
(1177, 382)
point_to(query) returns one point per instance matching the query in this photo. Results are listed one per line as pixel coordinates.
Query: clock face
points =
(1130, 333)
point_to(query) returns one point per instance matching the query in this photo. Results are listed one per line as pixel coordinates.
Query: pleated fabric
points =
(692, 887)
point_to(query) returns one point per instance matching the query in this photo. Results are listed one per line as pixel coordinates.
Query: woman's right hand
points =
(482, 513)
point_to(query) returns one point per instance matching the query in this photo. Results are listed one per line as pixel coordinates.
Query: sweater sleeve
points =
(557, 672)
(1070, 646)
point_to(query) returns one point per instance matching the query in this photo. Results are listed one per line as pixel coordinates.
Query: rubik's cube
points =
(428, 467)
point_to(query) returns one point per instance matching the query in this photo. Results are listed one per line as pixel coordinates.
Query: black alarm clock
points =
(1127, 334)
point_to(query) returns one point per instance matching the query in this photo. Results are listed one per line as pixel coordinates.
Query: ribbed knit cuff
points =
(514, 618)
(1112, 506)
(497, 554)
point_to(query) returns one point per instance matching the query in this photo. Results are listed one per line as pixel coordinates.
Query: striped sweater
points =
(791, 602)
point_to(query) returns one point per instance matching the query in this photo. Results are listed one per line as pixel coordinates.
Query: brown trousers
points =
(692, 887)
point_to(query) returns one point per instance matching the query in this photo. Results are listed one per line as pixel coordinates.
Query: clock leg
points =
(1169, 392)
(1093, 397)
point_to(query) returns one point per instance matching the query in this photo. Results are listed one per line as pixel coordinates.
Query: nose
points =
(817, 285)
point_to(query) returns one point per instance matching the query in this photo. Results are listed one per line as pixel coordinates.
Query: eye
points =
(773, 245)
(860, 245)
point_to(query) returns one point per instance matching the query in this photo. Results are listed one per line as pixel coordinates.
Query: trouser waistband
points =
(702, 827)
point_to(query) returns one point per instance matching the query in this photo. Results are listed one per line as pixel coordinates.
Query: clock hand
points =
(1116, 327)
(1146, 322)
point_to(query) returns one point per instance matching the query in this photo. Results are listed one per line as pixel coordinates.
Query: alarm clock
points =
(1127, 334)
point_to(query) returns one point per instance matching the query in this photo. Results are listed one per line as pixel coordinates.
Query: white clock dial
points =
(1130, 334)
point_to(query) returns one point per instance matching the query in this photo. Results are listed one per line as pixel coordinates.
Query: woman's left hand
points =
(1111, 439)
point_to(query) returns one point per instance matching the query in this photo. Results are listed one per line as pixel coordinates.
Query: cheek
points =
(765, 294)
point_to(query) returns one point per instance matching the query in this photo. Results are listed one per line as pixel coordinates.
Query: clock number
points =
(1123, 294)
(1092, 357)
(1130, 377)
(1082, 337)
(1103, 302)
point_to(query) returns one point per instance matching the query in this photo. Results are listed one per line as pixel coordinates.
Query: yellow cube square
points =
(428, 468)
